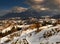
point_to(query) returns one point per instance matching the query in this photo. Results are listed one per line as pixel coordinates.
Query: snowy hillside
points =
(47, 34)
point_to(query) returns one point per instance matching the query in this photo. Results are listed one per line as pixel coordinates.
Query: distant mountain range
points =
(56, 16)
(25, 13)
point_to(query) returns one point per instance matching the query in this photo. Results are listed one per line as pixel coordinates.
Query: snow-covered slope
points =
(47, 34)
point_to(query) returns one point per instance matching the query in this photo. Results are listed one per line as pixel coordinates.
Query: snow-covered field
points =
(48, 35)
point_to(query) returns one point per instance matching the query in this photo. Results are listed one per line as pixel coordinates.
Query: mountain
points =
(18, 9)
(56, 16)
(25, 13)
(46, 34)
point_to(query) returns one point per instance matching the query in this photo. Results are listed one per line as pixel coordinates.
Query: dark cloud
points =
(52, 4)
(45, 5)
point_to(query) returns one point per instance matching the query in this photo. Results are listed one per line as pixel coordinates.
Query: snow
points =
(7, 29)
(37, 38)
(3, 39)
(21, 26)
(55, 38)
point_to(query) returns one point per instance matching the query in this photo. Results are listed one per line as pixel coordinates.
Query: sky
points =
(5, 5)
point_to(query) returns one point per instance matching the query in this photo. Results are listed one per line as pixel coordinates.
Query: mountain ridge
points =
(26, 13)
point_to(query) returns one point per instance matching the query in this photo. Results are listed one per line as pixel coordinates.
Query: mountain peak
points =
(18, 9)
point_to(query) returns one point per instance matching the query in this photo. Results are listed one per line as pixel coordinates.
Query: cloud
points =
(15, 9)
(38, 1)
(57, 2)
(34, 2)
(38, 8)
(52, 4)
